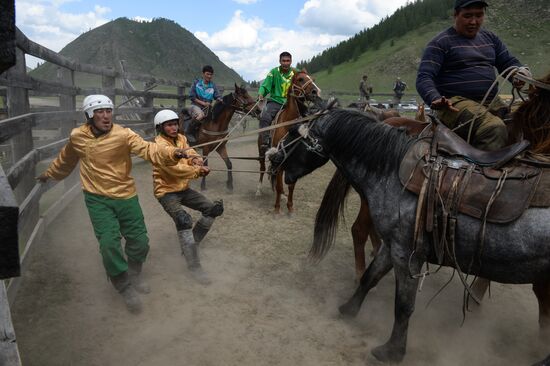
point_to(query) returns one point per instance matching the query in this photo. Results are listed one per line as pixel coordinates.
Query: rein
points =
(255, 132)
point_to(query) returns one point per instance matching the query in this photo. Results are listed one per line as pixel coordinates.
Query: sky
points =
(247, 35)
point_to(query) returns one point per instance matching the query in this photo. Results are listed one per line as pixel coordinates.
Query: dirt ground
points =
(266, 306)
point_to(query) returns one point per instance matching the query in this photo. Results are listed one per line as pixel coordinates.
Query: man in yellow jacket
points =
(104, 150)
(171, 187)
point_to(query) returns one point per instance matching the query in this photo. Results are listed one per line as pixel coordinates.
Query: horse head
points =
(243, 102)
(300, 152)
(304, 87)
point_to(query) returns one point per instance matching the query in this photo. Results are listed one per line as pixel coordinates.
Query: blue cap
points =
(465, 3)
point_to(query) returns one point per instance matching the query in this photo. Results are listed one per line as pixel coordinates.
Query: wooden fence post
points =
(68, 103)
(149, 102)
(108, 85)
(18, 104)
(181, 98)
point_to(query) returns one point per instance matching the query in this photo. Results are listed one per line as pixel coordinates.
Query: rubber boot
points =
(190, 251)
(134, 273)
(131, 298)
(202, 227)
(266, 141)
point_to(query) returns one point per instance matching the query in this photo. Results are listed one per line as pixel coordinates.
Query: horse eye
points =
(300, 79)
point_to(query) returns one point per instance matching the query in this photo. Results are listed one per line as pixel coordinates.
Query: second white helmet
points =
(164, 116)
(94, 102)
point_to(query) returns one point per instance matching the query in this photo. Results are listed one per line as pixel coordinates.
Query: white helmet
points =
(164, 116)
(94, 102)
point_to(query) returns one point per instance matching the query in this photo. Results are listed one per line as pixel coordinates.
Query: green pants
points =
(488, 132)
(111, 218)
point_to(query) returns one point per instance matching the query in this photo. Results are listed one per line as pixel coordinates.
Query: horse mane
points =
(357, 135)
(220, 106)
(532, 118)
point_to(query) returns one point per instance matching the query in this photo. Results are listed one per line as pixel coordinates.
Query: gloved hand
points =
(443, 103)
(260, 98)
(517, 83)
(204, 171)
(42, 178)
(180, 154)
(197, 161)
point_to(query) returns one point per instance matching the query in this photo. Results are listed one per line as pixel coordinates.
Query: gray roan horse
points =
(369, 154)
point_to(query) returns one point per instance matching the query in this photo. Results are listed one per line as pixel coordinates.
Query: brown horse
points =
(217, 127)
(302, 89)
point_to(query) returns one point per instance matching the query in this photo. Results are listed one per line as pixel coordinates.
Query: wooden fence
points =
(20, 193)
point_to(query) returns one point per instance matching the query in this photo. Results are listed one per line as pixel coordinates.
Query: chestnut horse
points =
(302, 89)
(217, 127)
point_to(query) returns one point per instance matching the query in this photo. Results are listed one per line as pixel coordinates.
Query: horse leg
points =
(360, 231)
(405, 295)
(289, 201)
(223, 154)
(261, 154)
(378, 268)
(542, 291)
(278, 192)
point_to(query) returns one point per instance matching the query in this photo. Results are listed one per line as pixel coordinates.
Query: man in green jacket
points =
(276, 84)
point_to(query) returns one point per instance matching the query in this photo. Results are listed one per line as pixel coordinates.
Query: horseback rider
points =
(171, 188)
(457, 71)
(104, 150)
(276, 84)
(202, 94)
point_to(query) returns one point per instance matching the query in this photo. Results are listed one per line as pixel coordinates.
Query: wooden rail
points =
(20, 194)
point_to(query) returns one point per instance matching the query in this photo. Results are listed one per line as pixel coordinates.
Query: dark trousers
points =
(266, 117)
(174, 202)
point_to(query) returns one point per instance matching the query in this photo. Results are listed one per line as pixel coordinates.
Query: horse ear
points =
(236, 86)
(304, 70)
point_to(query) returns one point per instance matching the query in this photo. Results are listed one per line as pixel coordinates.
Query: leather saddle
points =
(449, 174)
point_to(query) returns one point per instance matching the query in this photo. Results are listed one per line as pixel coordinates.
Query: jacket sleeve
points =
(266, 86)
(183, 169)
(431, 62)
(64, 163)
(155, 153)
(504, 58)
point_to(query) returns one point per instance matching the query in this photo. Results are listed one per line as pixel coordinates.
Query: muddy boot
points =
(190, 251)
(136, 279)
(122, 284)
(202, 227)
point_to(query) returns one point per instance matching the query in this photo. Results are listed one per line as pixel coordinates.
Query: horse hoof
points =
(349, 309)
(229, 188)
(258, 193)
(388, 354)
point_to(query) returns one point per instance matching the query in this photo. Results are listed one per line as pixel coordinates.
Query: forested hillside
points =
(394, 46)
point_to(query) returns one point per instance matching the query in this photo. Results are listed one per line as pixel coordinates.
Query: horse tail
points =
(326, 220)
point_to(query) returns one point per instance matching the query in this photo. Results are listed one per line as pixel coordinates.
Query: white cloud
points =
(43, 22)
(252, 48)
(239, 33)
(142, 19)
(345, 17)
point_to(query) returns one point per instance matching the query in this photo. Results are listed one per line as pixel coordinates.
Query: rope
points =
(255, 132)
(508, 71)
(231, 130)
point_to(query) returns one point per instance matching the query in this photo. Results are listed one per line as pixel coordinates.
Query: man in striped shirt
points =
(457, 71)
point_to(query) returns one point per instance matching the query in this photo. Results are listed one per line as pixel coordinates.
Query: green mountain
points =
(160, 48)
(523, 25)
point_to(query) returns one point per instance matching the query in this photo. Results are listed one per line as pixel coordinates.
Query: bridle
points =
(299, 91)
(306, 138)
